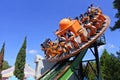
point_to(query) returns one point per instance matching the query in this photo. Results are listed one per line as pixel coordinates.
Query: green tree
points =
(5, 65)
(1, 58)
(91, 71)
(109, 67)
(118, 55)
(116, 4)
(104, 61)
(20, 62)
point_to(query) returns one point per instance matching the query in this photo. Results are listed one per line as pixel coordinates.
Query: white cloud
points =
(108, 46)
(111, 45)
(32, 51)
(101, 48)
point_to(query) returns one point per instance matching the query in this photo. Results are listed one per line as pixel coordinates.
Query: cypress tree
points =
(20, 62)
(1, 58)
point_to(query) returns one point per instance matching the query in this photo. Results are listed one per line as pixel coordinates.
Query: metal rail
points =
(69, 70)
(85, 45)
(64, 70)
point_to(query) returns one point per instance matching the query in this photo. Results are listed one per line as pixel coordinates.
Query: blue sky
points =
(38, 19)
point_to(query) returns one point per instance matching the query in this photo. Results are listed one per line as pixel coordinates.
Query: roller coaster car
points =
(67, 24)
(72, 33)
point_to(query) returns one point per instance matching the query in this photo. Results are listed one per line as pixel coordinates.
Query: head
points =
(91, 5)
(42, 46)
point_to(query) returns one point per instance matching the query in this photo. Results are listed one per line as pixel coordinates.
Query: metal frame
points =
(94, 50)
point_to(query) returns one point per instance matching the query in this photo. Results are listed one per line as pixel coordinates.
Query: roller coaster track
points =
(64, 70)
(85, 45)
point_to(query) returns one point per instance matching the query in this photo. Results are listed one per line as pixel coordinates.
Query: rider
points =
(88, 25)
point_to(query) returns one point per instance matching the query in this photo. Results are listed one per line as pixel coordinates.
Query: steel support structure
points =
(82, 70)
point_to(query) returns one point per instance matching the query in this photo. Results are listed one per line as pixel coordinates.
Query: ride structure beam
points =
(94, 50)
(72, 68)
(80, 71)
(97, 60)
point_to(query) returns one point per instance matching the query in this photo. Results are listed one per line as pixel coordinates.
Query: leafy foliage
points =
(116, 4)
(20, 62)
(5, 65)
(118, 55)
(109, 66)
(91, 73)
